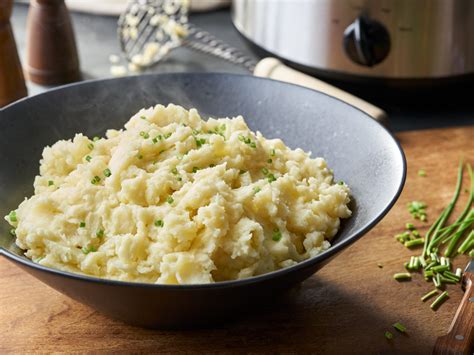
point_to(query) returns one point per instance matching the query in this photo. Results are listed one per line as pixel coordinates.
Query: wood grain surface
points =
(344, 308)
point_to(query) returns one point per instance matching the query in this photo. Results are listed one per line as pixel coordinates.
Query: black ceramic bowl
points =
(361, 152)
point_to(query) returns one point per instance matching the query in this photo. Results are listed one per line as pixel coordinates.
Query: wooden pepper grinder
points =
(12, 83)
(51, 46)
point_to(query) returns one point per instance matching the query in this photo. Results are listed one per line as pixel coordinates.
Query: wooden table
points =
(344, 308)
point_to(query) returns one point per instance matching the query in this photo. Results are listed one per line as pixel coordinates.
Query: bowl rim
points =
(330, 252)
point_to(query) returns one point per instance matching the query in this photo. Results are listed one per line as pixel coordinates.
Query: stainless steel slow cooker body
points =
(393, 39)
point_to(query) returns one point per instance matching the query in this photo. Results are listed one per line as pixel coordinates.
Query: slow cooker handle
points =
(274, 69)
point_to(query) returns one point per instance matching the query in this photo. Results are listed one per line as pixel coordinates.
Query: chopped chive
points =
(440, 268)
(447, 280)
(159, 223)
(421, 172)
(95, 139)
(340, 182)
(253, 145)
(276, 236)
(170, 200)
(82, 224)
(410, 226)
(174, 171)
(154, 140)
(273, 152)
(90, 146)
(415, 233)
(195, 169)
(439, 300)
(88, 158)
(402, 276)
(429, 295)
(12, 216)
(143, 117)
(271, 178)
(414, 242)
(437, 281)
(269, 161)
(428, 274)
(107, 172)
(200, 142)
(256, 189)
(95, 180)
(166, 135)
(13, 232)
(388, 335)
(50, 182)
(451, 275)
(458, 272)
(422, 261)
(86, 250)
(400, 327)
(265, 171)
(430, 265)
(99, 233)
(179, 178)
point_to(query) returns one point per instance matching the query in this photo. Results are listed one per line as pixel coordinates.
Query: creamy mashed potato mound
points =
(174, 199)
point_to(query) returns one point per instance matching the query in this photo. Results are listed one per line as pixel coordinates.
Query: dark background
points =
(436, 104)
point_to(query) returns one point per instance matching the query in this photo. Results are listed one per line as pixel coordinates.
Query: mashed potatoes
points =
(173, 199)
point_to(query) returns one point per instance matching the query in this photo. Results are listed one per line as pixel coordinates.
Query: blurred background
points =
(412, 59)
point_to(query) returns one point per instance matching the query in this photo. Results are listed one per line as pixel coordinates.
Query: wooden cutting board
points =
(344, 308)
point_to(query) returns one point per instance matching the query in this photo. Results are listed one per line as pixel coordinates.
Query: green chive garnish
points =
(159, 223)
(388, 335)
(269, 161)
(95, 139)
(12, 216)
(257, 189)
(95, 180)
(273, 152)
(429, 295)
(271, 178)
(99, 233)
(276, 236)
(82, 224)
(439, 300)
(107, 172)
(414, 242)
(421, 172)
(90, 146)
(402, 276)
(50, 182)
(170, 200)
(400, 327)
(174, 171)
(166, 135)
(88, 158)
(410, 226)
(13, 232)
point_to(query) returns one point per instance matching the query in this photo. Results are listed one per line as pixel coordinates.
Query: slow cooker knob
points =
(366, 41)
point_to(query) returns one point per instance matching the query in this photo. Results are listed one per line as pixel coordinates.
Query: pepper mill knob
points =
(51, 46)
(12, 82)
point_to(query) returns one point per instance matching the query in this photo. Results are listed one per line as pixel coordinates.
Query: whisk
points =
(149, 29)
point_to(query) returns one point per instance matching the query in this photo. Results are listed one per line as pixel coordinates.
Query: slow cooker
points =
(377, 39)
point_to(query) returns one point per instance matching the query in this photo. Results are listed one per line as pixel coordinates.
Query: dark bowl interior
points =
(361, 152)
